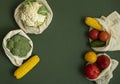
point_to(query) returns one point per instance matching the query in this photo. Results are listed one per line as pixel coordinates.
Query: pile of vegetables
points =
(99, 67)
(98, 36)
(32, 16)
(95, 64)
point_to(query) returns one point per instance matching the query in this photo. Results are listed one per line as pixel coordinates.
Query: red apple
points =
(91, 71)
(104, 36)
(103, 61)
(93, 34)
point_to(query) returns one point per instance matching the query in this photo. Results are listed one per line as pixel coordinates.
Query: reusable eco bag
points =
(105, 76)
(16, 60)
(30, 29)
(111, 24)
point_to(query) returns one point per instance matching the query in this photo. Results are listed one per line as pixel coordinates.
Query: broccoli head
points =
(18, 45)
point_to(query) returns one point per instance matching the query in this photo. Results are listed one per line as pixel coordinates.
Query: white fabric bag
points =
(111, 24)
(105, 76)
(34, 30)
(16, 60)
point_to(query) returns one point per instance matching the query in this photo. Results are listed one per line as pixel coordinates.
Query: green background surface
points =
(62, 46)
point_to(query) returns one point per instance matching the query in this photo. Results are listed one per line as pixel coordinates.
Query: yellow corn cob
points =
(92, 22)
(26, 67)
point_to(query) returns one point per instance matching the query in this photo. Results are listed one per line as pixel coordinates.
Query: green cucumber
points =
(97, 43)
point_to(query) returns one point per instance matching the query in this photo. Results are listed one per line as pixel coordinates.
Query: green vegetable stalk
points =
(42, 10)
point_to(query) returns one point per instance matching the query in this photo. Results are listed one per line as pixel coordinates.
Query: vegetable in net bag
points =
(111, 24)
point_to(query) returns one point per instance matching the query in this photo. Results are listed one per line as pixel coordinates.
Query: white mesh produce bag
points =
(32, 29)
(105, 76)
(111, 24)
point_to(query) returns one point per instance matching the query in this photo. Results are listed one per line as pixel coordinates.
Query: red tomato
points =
(104, 36)
(91, 71)
(103, 61)
(93, 34)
